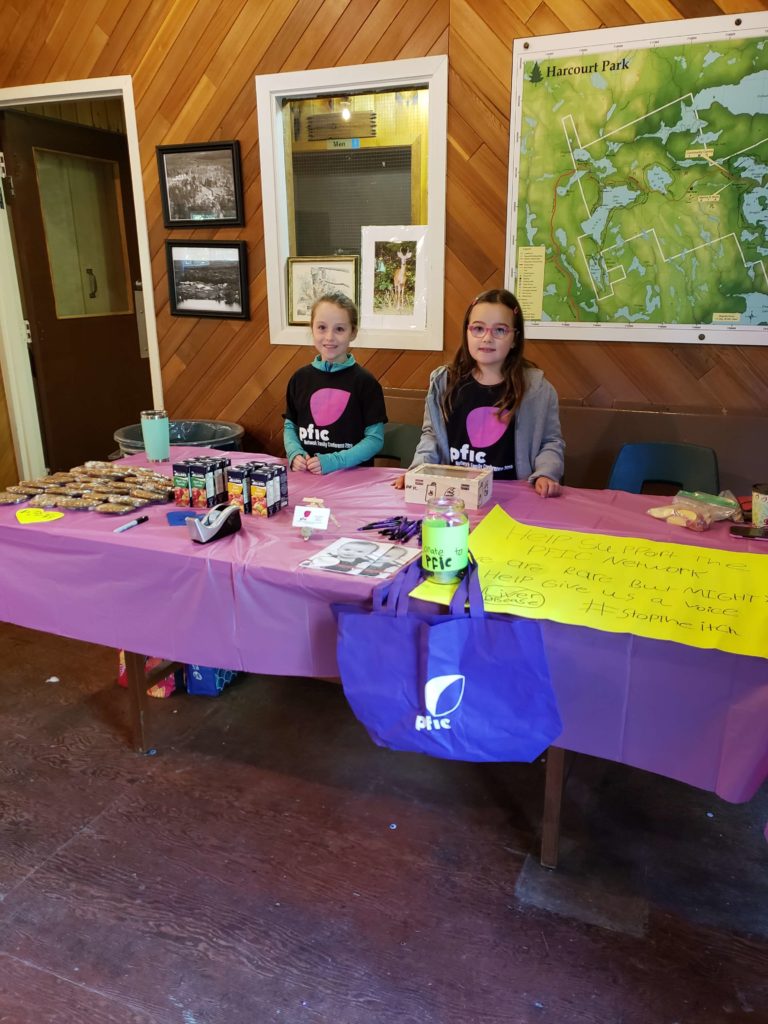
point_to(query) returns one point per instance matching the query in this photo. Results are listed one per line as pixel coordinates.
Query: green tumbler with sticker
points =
(445, 539)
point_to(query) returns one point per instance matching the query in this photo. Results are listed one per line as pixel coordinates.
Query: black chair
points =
(400, 440)
(689, 467)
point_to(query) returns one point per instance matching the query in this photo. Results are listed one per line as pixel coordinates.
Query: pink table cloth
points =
(244, 603)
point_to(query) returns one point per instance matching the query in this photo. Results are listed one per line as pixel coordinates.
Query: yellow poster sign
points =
(703, 597)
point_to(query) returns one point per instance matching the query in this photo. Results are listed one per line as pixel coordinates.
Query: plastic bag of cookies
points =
(691, 515)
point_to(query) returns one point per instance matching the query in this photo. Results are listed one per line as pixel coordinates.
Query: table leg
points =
(137, 697)
(139, 678)
(553, 797)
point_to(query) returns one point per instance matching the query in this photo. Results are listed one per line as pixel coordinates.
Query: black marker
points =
(133, 522)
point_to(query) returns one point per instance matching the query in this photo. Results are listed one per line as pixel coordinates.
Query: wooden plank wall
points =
(106, 114)
(193, 63)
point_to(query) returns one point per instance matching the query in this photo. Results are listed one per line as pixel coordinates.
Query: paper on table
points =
(362, 557)
(703, 597)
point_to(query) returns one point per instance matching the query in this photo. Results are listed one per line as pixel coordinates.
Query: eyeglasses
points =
(499, 332)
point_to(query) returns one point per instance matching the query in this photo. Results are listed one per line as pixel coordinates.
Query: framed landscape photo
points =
(310, 277)
(200, 185)
(208, 279)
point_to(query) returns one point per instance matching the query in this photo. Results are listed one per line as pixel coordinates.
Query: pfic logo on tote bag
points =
(460, 686)
(442, 696)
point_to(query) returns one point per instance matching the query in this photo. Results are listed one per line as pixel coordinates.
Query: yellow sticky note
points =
(703, 597)
(37, 515)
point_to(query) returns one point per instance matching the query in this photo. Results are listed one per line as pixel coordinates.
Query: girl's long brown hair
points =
(460, 370)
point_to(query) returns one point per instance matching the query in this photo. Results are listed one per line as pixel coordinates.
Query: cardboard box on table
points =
(473, 486)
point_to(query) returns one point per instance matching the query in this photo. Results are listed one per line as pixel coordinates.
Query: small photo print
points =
(362, 557)
(393, 294)
(394, 280)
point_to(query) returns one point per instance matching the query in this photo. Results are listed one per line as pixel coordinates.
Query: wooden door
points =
(74, 236)
(9, 473)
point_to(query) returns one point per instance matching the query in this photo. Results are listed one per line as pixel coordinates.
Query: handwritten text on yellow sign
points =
(703, 597)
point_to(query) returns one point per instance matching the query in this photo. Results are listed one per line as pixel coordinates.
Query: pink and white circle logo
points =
(327, 405)
(484, 427)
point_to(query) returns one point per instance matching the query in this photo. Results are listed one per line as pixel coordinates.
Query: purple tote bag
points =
(459, 685)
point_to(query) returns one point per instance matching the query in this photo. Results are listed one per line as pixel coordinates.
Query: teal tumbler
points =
(155, 431)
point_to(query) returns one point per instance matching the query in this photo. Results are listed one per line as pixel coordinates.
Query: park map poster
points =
(638, 206)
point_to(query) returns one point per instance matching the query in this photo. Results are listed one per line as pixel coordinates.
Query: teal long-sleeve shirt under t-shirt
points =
(369, 446)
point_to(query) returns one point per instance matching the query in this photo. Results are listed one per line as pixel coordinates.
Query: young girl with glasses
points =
(491, 406)
(335, 411)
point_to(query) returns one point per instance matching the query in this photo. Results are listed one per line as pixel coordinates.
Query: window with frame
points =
(353, 186)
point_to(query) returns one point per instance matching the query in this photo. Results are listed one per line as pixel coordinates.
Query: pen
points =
(133, 522)
(382, 523)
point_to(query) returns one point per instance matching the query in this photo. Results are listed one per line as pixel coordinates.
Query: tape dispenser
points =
(221, 521)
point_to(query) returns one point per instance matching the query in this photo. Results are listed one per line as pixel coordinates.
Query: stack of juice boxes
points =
(200, 482)
(259, 488)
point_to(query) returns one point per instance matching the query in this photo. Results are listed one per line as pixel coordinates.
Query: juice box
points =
(219, 467)
(239, 487)
(283, 486)
(199, 485)
(181, 491)
(260, 478)
(273, 491)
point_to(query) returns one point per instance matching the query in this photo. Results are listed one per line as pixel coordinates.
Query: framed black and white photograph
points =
(310, 277)
(208, 279)
(200, 185)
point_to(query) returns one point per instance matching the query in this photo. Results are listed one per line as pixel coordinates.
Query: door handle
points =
(92, 282)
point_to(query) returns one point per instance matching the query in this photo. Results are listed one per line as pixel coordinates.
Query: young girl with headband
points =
(335, 411)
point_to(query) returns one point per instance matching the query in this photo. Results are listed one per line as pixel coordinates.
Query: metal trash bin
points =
(197, 433)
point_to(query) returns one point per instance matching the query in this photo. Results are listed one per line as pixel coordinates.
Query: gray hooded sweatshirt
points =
(539, 445)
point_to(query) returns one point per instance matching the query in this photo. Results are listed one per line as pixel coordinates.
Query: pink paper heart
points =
(484, 427)
(327, 405)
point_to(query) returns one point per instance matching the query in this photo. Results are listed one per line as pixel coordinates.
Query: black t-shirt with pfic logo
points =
(476, 435)
(332, 410)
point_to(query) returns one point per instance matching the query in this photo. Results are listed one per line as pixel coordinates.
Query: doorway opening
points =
(78, 338)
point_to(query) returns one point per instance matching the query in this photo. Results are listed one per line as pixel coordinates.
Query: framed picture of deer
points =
(310, 277)
(393, 287)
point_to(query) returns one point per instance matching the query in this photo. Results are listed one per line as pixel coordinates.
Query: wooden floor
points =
(271, 864)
